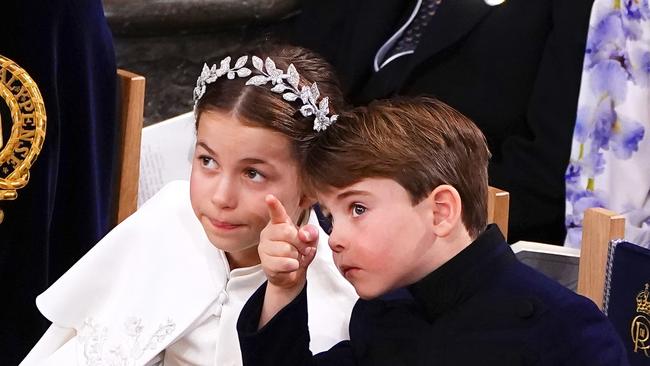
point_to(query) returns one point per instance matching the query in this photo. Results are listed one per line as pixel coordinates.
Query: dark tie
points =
(411, 37)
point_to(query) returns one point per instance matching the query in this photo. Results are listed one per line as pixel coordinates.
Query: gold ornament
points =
(27, 128)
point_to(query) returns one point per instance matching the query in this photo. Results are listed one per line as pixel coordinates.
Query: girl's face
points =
(234, 167)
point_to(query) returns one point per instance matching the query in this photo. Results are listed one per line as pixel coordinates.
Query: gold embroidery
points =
(640, 327)
(27, 132)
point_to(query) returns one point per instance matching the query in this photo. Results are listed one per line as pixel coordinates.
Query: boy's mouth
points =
(348, 271)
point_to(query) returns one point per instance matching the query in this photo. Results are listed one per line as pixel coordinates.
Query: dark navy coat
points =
(483, 307)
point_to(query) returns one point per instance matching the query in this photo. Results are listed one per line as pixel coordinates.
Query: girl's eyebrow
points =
(254, 161)
(205, 146)
(245, 160)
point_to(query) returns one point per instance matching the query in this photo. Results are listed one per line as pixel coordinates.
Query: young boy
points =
(405, 182)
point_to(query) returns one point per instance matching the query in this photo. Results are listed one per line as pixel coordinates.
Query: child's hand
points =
(286, 251)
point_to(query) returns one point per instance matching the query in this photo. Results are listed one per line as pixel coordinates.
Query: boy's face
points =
(233, 169)
(380, 240)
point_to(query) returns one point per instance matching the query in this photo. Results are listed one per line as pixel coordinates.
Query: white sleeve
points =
(53, 339)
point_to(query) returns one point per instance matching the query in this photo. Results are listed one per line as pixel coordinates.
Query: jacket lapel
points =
(453, 20)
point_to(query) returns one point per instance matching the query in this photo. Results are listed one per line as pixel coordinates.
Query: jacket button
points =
(525, 309)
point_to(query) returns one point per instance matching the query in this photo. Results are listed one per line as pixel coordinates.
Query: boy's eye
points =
(208, 162)
(254, 175)
(357, 210)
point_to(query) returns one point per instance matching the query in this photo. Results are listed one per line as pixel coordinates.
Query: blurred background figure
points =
(513, 67)
(67, 48)
(609, 164)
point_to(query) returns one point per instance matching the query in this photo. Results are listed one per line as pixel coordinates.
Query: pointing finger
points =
(277, 212)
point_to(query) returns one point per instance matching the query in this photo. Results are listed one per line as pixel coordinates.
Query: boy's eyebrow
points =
(352, 192)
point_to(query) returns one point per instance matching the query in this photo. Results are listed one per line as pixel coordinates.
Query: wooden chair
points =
(615, 275)
(498, 205)
(130, 113)
(599, 228)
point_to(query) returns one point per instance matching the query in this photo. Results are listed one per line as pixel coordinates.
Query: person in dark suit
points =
(513, 68)
(405, 183)
(67, 48)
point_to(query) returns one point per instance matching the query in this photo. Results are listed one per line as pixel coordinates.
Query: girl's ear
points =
(306, 201)
(447, 210)
(308, 198)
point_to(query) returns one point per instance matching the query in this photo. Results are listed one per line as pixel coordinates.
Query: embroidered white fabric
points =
(152, 282)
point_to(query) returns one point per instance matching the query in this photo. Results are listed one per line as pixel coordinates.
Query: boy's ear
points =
(447, 210)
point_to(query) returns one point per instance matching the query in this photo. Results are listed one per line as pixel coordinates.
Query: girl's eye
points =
(254, 175)
(208, 162)
(358, 210)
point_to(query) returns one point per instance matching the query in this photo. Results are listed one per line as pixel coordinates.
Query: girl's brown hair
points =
(260, 107)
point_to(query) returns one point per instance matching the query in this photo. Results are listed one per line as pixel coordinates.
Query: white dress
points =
(156, 291)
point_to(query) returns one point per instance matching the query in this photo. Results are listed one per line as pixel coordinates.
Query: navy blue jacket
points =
(483, 307)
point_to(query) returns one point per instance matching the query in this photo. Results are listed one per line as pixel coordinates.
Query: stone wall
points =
(168, 41)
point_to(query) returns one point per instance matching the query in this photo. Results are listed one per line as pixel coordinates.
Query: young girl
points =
(166, 286)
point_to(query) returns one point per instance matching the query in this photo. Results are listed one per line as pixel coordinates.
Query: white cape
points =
(148, 281)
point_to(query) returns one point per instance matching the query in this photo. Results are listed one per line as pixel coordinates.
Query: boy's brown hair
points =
(420, 143)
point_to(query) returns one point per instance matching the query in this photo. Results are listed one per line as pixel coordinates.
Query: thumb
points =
(307, 257)
(308, 234)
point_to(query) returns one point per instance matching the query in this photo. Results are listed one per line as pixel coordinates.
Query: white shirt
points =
(156, 290)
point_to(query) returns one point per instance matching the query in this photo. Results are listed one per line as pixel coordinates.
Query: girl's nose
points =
(225, 193)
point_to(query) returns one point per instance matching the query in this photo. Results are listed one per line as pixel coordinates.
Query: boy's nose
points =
(336, 242)
(225, 193)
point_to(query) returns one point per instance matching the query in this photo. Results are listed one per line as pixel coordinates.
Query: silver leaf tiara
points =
(283, 83)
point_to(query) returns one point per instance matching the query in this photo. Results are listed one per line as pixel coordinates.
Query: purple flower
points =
(604, 118)
(632, 9)
(610, 77)
(581, 129)
(593, 163)
(574, 236)
(626, 137)
(588, 201)
(581, 201)
(578, 194)
(572, 175)
(607, 38)
(640, 67)
(609, 29)
(645, 9)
